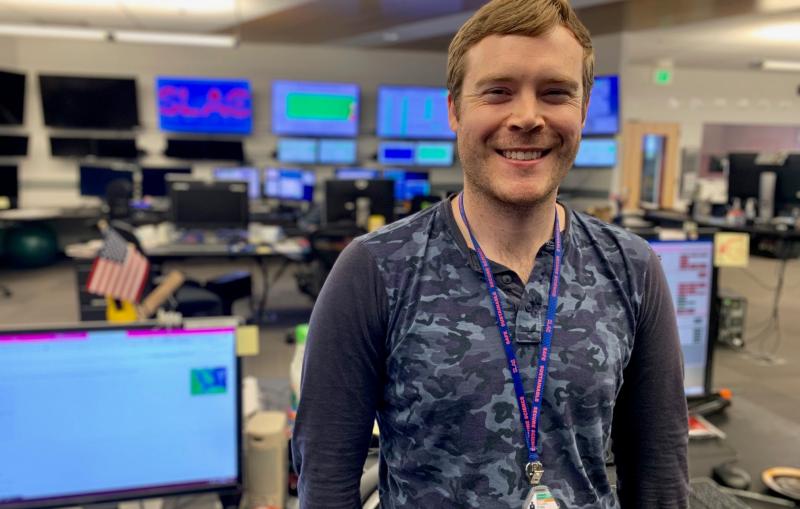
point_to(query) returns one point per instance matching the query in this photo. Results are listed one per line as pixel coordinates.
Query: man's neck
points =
(508, 235)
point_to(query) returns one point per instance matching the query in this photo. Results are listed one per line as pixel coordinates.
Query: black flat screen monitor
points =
(744, 175)
(12, 98)
(89, 103)
(154, 180)
(692, 279)
(9, 187)
(341, 199)
(787, 196)
(95, 179)
(210, 205)
(13, 146)
(210, 150)
(101, 414)
(61, 146)
(117, 148)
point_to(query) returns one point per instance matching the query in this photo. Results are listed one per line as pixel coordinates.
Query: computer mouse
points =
(728, 474)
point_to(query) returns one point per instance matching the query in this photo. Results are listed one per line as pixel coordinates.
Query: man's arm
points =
(650, 429)
(342, 381)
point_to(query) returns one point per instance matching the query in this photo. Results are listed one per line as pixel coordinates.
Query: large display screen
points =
(114, 414)
(603, 115)
(191, 105)
(248, 174)
(413, 112)
(12, 98)
(289, 184)
(89, 103)
(297, 150)
(315, 109)
(337, 151)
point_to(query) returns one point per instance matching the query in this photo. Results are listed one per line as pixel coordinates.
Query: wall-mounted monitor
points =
(337, 151)
(297, 150)
(13, 145)
(397, 153)
(603, 115)
(434, 154)
(289, 184)
(408, 184)
(9, 187)
(95, 179)
(212, 150)
(413, 112)
(356, 173)
(249, 175)
(12, 98)
(204, 105)
(89, 103)
(597, 153)
(315, 109)
(154, 180)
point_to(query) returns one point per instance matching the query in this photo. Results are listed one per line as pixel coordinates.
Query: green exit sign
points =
(662, 76)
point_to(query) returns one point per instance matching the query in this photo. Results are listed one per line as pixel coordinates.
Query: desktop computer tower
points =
(732, 313)
(766, 194)
(266, 453)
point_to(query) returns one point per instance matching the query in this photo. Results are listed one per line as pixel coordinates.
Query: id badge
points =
(540, 498)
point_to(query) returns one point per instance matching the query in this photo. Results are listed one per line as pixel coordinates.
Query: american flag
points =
(119, 271)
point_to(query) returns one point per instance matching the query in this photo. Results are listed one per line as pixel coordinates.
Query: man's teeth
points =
(522, 156)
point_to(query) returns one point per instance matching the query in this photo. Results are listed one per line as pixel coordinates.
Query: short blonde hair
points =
(517, 17)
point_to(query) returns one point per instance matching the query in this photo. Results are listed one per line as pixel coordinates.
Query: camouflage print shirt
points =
(403, 329)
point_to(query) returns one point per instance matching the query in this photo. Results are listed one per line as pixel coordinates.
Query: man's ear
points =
(452, 112)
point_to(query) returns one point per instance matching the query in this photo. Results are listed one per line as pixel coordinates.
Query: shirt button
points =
(506, 279)
(529, 307)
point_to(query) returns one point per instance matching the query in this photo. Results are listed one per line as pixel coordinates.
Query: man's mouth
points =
(524, 155)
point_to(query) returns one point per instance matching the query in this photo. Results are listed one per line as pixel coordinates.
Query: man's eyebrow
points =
(569, 83)
(494, 78)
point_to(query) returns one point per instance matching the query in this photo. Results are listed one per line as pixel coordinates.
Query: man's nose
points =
(527, 113)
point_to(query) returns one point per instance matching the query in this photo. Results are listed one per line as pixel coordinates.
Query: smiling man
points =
(501, 339)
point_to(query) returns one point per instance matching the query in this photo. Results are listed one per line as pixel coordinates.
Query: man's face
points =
(520, 115)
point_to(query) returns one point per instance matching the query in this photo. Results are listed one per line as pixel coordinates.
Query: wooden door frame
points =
(632, 134)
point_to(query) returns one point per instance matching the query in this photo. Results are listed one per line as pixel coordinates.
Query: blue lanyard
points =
(530, 420)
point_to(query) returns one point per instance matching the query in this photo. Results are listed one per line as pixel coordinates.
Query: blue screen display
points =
(390, 152)
(356, 174)
(603, 114)
(95, 179)
(337, 151)
(596, 153)
(434, 154)
(297, 150)
(188, 105)
(315, 109)
(249, 175)
(413, 112)
(289, 184)
(408, 184)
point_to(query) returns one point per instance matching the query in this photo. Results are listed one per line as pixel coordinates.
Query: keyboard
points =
(706, 494)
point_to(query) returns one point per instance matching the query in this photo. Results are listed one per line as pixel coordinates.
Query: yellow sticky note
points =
(731, 249)
(263, 250)
(247, 340)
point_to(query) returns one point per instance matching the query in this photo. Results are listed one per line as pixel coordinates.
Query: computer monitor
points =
(289, 184)
(692, 279)
(602, 117)
(11, 145)
(356, 173)
(434, 154)
(342, 199)
(413, 112)
(95, 179)
(249, 175)
(9, 187)
(744, 175)
(204, 105)
(154, 180)
(788, 188)
(101, 414)
(211, 205)
(12, 98)
(297, 150)
(408, 184)
(84, 102)
(315, 109)
(597, 153)
(397, 152)
(338, 151)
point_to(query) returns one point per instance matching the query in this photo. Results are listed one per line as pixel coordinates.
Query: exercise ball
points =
(30, 246)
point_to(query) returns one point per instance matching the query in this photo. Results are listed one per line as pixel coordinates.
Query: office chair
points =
(119, 193)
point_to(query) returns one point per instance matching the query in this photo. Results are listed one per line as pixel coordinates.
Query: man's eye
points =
(496, 91)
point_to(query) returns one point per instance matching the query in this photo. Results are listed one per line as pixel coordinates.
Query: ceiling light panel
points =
(779, 32)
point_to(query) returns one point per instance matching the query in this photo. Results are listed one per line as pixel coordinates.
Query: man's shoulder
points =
(594, 232)
(408, 233)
